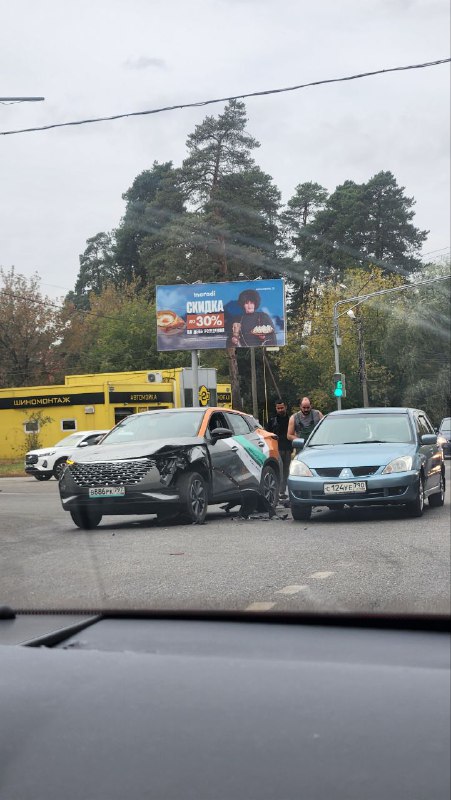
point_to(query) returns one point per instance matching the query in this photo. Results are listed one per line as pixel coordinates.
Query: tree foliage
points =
(29, 329)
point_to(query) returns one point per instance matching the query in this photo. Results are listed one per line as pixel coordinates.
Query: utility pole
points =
(254, 384)
(362, 360)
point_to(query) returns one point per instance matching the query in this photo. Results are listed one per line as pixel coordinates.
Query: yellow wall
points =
(101, 399)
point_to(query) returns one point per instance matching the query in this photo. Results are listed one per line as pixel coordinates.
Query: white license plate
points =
(345, 488)
(106, 491)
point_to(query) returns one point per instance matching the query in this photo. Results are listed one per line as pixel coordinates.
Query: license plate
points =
(345, 488)
(106, 491)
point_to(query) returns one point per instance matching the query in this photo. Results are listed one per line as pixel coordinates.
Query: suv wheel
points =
(269, 488)
(58, 468)
(85, 518)
(194, 497)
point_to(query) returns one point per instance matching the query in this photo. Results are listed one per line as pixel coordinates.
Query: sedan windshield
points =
(155, 426)
(360, 428)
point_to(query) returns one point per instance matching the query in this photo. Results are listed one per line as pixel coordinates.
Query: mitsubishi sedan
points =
(368, 456)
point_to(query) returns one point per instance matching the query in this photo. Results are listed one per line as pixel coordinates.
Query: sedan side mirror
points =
(429, 438)
(298, 444)
(220, 433)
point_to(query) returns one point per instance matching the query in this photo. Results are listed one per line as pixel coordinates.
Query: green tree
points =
(234, 206)
(29, 329)
(117, 334)
(362, 224)
(144, 244)
(97, 269)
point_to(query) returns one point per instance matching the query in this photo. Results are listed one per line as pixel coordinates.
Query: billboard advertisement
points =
(204, 316)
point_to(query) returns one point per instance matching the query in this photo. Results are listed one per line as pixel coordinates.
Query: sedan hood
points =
(131, 450)
(351, 455)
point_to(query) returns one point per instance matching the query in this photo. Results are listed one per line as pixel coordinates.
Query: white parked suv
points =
(48, 461)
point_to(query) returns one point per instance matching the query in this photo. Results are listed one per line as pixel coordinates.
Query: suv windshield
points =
(350, 429)
(70, 441)
(157, 425)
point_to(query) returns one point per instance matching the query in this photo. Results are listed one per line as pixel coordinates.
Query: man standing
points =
(302, 423)
(279, 425)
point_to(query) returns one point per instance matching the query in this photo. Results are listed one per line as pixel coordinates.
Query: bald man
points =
(302, 423)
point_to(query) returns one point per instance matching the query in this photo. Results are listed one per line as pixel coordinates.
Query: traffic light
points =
(339, 385)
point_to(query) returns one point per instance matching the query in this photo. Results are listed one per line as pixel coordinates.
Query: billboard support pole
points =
(195, 377)
(254, 384)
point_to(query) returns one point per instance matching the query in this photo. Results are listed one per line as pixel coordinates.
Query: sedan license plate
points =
(351, 487)
(106, 491)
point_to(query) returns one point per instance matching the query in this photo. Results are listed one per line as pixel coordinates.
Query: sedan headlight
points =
(401, 464)
(300, 469)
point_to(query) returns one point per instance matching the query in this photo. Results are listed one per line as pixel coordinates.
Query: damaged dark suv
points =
(173, 463)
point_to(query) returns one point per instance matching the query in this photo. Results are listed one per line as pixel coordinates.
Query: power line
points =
(244, 96)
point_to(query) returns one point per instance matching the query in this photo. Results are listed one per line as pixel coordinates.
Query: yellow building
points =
(96, 402)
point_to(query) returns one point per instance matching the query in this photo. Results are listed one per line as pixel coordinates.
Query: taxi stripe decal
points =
(257, 455)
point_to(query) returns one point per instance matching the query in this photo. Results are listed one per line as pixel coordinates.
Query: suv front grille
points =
(111, 473)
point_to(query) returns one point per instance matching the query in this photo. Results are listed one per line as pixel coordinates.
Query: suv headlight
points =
(401, 464)
(48, 453)
(300, 469)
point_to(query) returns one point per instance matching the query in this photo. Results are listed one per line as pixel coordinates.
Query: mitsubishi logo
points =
(346, 473)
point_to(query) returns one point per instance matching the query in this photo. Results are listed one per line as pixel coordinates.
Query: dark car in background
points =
(173, 463)
(444, 436)
(368, 456)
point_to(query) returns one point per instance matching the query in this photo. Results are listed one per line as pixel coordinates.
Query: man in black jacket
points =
(279, 425)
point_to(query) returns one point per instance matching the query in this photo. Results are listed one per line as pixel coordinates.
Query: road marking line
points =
(320, 576)
(260, 606)
(293, 589)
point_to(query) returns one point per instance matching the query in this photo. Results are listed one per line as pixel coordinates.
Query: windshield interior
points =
(361, 428)
(225, 207)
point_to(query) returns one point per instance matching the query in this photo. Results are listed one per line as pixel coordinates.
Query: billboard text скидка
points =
(203, 316)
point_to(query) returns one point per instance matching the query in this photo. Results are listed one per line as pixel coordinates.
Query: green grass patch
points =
(11, 468)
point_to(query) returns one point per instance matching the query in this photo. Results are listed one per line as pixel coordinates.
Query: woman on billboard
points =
(255, 328)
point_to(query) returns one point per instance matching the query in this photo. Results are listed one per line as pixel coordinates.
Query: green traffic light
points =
(338, 391)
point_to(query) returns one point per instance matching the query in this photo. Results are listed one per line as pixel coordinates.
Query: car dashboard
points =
(224, 706)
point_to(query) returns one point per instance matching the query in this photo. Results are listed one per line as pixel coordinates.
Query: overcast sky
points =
(100, 57)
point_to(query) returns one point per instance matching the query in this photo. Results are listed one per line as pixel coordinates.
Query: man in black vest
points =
(302, 423)
(279, 425)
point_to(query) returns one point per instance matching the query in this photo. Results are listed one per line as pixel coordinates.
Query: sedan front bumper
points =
(399, 487)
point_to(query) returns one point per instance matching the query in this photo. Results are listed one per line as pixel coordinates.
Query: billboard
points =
(204, 316)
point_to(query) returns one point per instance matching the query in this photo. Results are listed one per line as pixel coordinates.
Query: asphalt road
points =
(376, 559)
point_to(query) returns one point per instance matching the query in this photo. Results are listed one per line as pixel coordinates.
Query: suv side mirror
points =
(220, 433)
(298, 444)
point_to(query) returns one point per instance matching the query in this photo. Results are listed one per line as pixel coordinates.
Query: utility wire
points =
(244, 96)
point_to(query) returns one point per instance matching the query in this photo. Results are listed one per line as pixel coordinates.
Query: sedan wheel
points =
(437, 499)
(301, 512)
(194, 497)
(416, 507)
